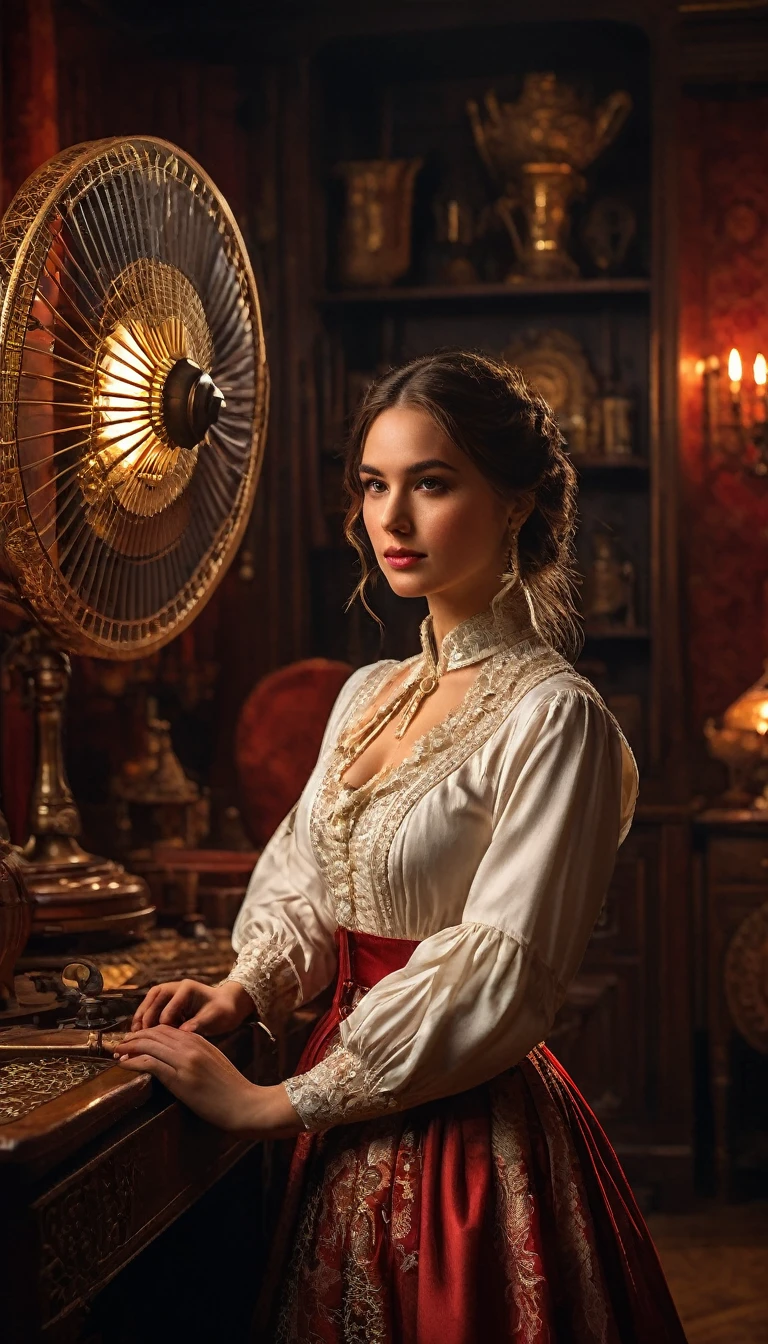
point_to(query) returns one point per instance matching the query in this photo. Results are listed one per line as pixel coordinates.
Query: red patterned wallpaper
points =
(724, 302)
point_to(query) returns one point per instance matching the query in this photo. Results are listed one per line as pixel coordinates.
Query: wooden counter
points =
(76, 1206)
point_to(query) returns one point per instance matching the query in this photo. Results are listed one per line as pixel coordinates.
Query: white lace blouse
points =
(493, 843)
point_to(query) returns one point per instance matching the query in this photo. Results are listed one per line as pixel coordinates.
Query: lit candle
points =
(734, 378)
(760, 370)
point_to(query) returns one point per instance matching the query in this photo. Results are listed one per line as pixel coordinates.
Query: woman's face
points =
(434, 521)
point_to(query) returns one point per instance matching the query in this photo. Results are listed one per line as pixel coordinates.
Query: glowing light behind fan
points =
(124, 419)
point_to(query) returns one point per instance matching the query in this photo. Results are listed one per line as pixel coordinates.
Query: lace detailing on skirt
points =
(265, 970)
(337, 1090)
(515, 1208)
(365, 1190)
(499, 1214)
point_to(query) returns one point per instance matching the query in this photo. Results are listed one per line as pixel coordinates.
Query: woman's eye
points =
(432, 485)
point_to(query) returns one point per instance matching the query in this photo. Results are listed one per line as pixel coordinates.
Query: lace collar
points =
(499, 626)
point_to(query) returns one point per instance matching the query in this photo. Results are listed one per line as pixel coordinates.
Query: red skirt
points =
(501, 1215)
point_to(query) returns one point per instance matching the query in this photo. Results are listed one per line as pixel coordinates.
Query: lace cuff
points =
(265, 970)
(338, 1090)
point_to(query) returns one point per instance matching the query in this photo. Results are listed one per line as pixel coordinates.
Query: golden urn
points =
(740, 741)
(536, 149)
(376, 233)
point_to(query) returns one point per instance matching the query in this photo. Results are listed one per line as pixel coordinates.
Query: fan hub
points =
(191, 403)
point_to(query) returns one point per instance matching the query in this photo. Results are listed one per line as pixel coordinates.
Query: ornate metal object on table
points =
(536, 150)
(93, 1000)
(609, 585)
(375, 245)
(740, 741)
(133, 412)
(556, 365)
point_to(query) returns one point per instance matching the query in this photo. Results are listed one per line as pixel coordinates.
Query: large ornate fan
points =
(133, 413)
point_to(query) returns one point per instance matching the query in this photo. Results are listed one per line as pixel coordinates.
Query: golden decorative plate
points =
(557, 367)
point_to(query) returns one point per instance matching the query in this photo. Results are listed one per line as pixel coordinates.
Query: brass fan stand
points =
(133, 402)
(74, 892)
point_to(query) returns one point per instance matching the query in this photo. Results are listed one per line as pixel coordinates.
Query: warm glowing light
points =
(760, 370)
(734, 366)
(133, 460)
(761, 718)
(124, 401)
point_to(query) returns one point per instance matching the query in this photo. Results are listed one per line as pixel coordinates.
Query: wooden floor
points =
(716, 1262)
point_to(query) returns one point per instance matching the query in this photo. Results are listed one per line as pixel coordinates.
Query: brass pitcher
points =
(376, 233)
(536, 149)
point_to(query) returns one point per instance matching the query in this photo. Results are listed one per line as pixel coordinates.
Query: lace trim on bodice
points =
(504, 623)
(352, 830)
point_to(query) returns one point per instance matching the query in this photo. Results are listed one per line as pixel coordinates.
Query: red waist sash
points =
(363, 960)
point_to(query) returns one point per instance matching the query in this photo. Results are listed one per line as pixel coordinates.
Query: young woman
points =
(446, 863)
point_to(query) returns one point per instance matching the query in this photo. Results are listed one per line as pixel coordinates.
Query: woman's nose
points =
(395, 516)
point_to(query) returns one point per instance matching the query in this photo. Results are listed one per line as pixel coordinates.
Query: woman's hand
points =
(194, 1007)
(205, 1080)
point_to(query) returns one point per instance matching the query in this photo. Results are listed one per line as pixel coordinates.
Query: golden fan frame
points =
(119, 261)
(28, 234)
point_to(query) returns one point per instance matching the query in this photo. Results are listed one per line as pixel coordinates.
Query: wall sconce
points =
(738, 440)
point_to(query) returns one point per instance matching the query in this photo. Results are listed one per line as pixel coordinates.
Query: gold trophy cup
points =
(536, 150)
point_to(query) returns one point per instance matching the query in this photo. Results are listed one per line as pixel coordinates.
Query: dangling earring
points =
(510, 567)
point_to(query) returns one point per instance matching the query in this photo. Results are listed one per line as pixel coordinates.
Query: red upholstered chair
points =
(278, 737)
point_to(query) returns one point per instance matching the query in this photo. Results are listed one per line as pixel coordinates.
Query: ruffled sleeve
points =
(284, 934)
(474, 998)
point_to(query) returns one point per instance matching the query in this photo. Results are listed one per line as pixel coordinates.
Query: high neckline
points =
(500, 625)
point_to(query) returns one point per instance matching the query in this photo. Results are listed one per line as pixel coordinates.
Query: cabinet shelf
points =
(468, 295)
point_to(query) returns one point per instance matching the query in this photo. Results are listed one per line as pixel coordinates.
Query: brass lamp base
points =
(73, 892)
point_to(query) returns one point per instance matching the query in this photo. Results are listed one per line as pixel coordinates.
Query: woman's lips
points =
(404, 561)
